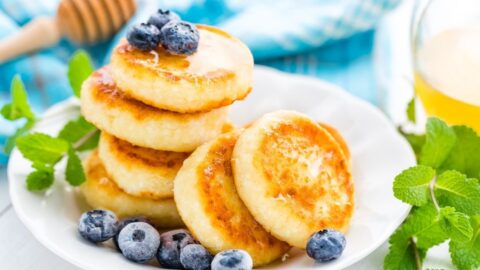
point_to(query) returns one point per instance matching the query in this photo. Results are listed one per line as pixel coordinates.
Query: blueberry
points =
(195, 257)
(162, 17)
(143, 36)
(171, 243)
(179, 37)
(139, 241)
(234, 259)
(98, 225)
(326, 245)
(124, 222)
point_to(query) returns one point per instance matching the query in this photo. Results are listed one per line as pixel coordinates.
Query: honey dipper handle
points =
(39, 33)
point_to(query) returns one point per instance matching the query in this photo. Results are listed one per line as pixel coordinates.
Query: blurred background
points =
(328, 39)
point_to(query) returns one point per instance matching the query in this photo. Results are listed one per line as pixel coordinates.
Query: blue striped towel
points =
(329, 39)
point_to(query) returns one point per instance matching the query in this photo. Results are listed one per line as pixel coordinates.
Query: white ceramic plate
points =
(378, 154)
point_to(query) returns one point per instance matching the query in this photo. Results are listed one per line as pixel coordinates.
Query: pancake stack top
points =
(153, 109)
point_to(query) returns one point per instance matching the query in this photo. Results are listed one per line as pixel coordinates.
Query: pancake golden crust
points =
(104, 105)
(140, 171)
(293, 177)
(219, 73)
(207, 200)
(101, 192)
(339, 138)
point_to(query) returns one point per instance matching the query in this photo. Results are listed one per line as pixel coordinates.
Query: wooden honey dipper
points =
(81, 21)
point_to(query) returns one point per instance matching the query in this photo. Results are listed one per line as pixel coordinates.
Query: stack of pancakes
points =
(263, 188)
(154, 109)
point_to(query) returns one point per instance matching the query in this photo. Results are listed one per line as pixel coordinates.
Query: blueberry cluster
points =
(165, 28)
(140, 242)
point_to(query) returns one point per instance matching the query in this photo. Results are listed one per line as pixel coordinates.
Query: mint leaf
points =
(8, 112)
(81, 133)
(411, 111)
(76, 129)
(19, 108)
(42, 148)
(74, 173)
(412, 185)
(466, 255)
(43, 167)
(456, 225)
(439, 141)
(424, 223)
(79, 68)
(39, 180)
(403, 255)
(465, 154)
(90, 143)
(455, 189)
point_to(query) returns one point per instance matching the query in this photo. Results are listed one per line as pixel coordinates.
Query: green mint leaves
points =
(466, 255)
(456, 225)
(455, 189)
(79, 68)
(46, 151)
(440, 139)
(465, 155)
(39, 180)
(18, 109)
(42, 148)
(446, 197)
(74, 172)
(82, 134)
(411, 186)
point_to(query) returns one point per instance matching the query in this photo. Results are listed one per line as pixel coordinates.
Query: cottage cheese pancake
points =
(293, 176)
(101, 192)
(339, 138)
(208, 202)
(219, 73)
(140, 171)
(111, 110)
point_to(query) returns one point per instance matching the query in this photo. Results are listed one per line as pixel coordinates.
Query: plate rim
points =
(326, 86)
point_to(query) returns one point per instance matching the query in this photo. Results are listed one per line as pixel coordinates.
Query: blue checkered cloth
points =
(329, 39)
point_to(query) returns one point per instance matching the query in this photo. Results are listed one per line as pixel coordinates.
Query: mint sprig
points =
(466, 255)
(79, 68)
(439, 141)
(46, 151)
(42, 148)
(446, 197)
(18, 110)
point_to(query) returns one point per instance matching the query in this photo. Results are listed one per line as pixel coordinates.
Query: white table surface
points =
(19, 250)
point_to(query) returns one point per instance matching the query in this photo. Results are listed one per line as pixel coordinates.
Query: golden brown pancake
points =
(140, 171)
(207, 200)
(335, 134)
(219, 73)
(293, 177)
(107, 107)
(101, 192)
(339, 138)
